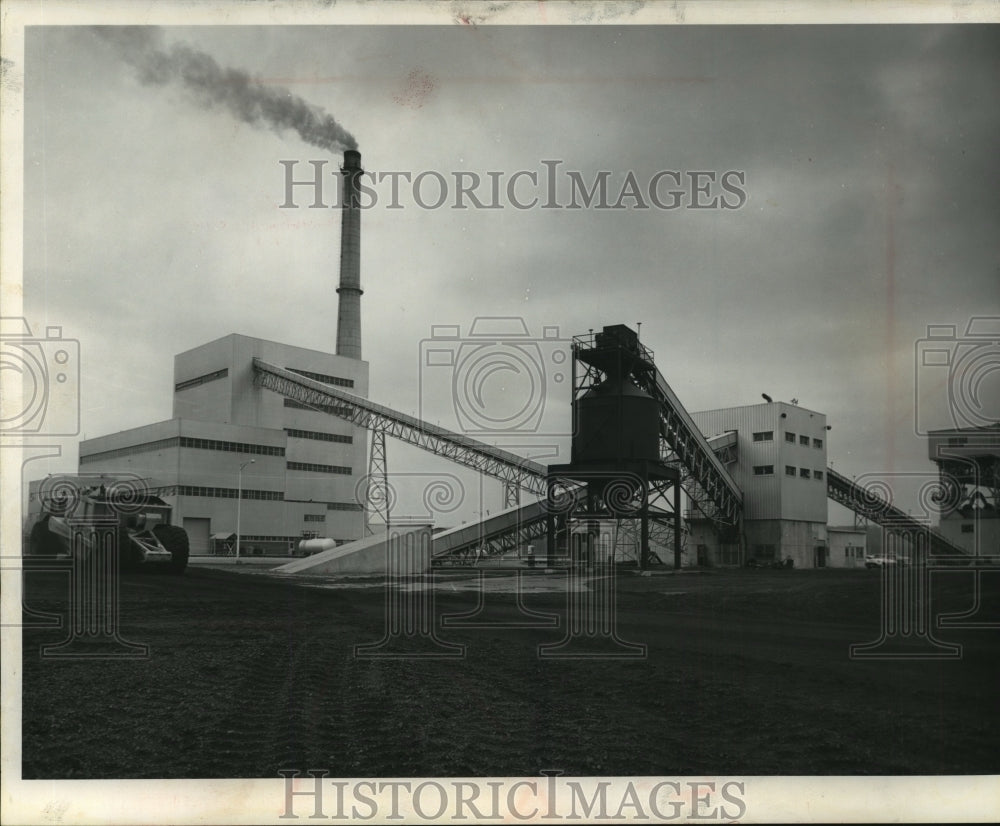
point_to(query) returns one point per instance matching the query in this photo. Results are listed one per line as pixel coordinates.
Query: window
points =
(789, 470)
(804, 472)
(322, 377)
(148, 447)
(968, 529)
(315, 517)
(330, 506)
(763, 470)
(818, 474)
(226, 493)
(314, 468)
(762, 551)
(804, 440)
(320, 437)
(218, 374)
(231, 447)
(764, 436)
(818, 443)
(790, 438)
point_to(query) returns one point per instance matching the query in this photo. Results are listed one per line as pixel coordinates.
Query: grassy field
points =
(745, 672)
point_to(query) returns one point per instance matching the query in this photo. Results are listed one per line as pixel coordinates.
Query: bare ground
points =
(745, 672)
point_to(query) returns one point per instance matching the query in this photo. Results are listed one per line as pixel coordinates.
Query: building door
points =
(198, 531)
(820, 556)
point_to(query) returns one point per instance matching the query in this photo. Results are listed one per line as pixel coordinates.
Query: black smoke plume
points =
(233, 90)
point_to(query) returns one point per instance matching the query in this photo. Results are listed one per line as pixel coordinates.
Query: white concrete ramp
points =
(404, 551)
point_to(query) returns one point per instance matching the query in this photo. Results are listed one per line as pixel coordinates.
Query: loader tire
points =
(41, 541)
(175, 540)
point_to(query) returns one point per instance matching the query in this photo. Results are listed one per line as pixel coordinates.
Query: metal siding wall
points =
(761, 494)
(236, 399)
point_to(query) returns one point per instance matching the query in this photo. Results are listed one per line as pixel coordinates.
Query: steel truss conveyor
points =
(873, 507)
(508, 467)
(718, 493)
(715, 493)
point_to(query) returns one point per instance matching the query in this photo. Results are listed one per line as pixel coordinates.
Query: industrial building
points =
(848, 546)
(779, 464)
(301, 466)
(968, 461)
(234, 459)
(270, 442)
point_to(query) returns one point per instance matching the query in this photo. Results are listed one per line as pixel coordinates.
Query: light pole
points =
(239, 501)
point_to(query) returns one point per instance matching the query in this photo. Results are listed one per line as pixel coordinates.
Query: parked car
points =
(885, 561)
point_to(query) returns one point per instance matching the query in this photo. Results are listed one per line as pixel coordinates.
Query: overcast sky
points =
(152, 221)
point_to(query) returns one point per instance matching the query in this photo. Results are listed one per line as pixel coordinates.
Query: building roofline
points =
(784, 405)
(234, 336)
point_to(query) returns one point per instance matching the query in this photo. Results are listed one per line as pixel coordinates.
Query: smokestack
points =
(349, 291)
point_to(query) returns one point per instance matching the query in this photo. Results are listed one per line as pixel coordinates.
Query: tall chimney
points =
(349, 291)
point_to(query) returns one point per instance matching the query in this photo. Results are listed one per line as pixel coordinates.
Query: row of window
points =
(216, 444)
(185, 441)
(334, 380)
(160, 444)
(803, 440)
(319, 437)
(805, 473)
(230, 493)
(232, 447)
(218, 374)
(314, 468)
(220, 493)
(335, 410)
(768, 436)
(315, 517)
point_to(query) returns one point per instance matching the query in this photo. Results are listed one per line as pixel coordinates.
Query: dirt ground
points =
(744, 672)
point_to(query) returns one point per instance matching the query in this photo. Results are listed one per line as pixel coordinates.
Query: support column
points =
(677, 526)
(511, 494)
(378, 502)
